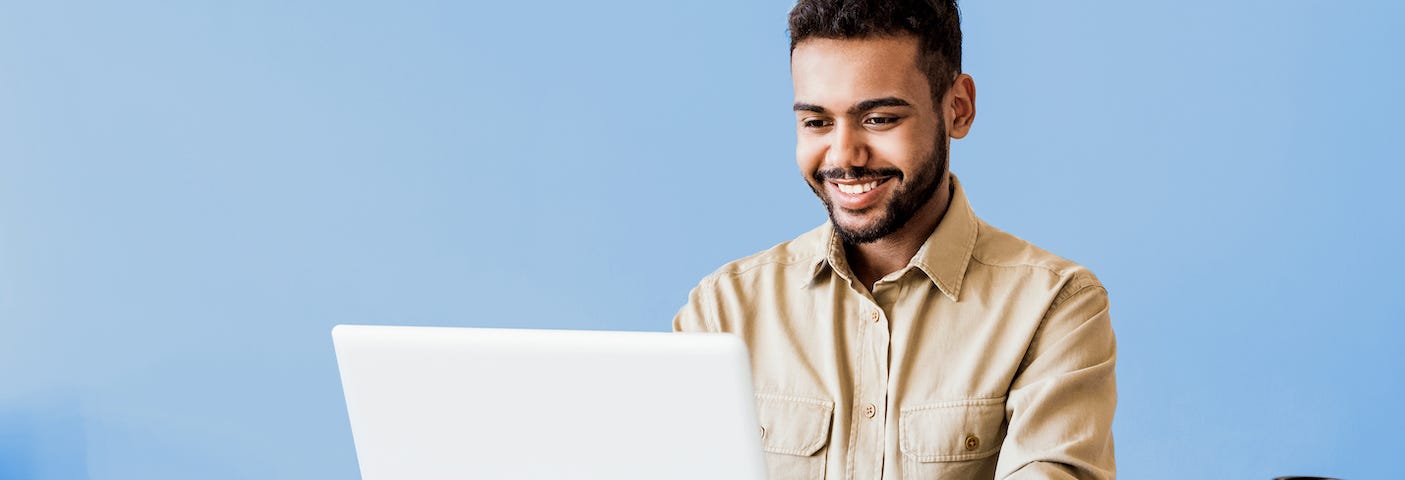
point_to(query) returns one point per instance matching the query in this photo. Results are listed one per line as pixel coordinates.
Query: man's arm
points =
(1062, 400)
(699, 315)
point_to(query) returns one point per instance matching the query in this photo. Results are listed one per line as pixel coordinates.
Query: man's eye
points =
(881, 120)
(815, 123)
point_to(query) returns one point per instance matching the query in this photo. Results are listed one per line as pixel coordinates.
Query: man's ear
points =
(960, 106)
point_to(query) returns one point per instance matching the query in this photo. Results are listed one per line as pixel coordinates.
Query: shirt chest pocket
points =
(952, 439)
(794, 434)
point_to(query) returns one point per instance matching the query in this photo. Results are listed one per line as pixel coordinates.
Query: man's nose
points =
(846, 147)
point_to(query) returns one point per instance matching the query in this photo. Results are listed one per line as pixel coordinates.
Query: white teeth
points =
(857, 189)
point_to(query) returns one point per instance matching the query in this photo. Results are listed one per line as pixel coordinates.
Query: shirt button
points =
(972, 442)
(870, 411)
(873, 315)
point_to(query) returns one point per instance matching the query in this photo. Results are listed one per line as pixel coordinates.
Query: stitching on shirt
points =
(827, 409)
(1063, 297)
(1074, 286)
(966, 402)
(1076, 279)
(785, 253)
(828, 405)
(988, 230)
(738, 270)
(905, 429)
(904, 434)
(1056, 271)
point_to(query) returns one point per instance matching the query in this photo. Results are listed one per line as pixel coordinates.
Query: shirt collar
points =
(943, 257)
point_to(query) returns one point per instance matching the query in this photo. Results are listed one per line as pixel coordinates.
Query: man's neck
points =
(875, 260)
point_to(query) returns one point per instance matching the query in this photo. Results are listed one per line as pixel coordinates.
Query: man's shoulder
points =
(998, 249)
(799, 253)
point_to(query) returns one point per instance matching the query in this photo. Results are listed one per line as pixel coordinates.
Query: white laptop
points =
(468, 403)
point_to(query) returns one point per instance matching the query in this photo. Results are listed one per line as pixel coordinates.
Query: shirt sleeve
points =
(698, 315)
(1061, 401)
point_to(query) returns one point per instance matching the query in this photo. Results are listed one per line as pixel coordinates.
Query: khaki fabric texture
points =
(985, 357)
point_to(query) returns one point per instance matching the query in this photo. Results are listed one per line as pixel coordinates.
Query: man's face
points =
(869, 141)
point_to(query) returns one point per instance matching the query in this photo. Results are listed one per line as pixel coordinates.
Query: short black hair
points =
(935, 23)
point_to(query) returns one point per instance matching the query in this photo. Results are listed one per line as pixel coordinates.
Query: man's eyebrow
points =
(858, 108)
(871, 104)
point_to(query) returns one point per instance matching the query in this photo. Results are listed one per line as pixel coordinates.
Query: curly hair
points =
(935, 23)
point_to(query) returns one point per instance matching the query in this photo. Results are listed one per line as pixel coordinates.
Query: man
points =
(906, 338)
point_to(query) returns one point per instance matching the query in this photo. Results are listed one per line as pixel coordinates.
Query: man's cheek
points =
(807, 165)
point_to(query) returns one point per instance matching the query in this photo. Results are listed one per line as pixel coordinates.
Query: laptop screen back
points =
(430, 403)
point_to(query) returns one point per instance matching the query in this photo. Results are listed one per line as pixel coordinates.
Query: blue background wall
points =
(193, 193)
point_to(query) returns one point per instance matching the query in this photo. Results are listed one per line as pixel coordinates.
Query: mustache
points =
(856, 173)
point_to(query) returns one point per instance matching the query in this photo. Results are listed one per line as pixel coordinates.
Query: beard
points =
(906, 200)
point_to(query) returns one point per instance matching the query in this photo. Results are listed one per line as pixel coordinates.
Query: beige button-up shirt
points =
(985, 357)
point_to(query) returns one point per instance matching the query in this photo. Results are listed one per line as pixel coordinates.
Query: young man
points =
(906, 338)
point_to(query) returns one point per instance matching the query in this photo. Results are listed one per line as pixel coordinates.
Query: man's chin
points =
(851, 228)
(853, 221)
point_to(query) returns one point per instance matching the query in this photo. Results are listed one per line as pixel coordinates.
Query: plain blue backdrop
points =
(193, 193)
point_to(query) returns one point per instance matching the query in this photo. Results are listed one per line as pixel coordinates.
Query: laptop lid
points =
(434, 402)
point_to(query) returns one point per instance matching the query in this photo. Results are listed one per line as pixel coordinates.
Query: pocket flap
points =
(952, 431)
(793, 425)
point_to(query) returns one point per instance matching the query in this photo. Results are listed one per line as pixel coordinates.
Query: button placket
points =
(870, 391)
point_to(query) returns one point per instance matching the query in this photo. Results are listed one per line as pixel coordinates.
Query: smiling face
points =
(870, 141)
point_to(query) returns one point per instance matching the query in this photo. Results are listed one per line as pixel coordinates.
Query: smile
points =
(860, 188)
(852, 188)
(857, 196)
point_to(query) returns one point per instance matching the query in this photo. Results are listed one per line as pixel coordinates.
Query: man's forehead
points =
(838, 72)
